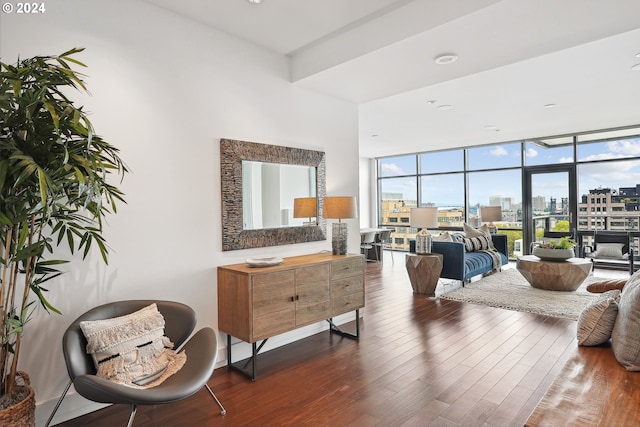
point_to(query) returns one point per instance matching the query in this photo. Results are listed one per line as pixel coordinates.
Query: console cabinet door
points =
(273, 303)
(313, 300)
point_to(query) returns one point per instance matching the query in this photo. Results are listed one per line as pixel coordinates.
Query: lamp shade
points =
(426, 217)
(305, 207)
(339, 207)
(491, 213)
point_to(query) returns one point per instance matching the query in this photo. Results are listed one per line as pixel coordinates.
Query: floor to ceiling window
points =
(460, 182)
(609, 183)
(398, 194)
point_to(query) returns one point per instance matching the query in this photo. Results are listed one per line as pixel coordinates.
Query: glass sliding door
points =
(549, 202)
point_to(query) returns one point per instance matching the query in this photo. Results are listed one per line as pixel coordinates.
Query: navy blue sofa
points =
(460, 265)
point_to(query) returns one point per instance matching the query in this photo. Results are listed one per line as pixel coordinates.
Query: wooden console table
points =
(257, 303)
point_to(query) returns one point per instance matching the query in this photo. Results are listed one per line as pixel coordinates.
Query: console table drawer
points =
(347, 267)
(347, 285)
(346, 304)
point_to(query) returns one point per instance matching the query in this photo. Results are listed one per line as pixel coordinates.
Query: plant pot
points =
(553, 254)
(23, 413)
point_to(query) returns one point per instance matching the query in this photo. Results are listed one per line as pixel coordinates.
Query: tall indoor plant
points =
(54, 189)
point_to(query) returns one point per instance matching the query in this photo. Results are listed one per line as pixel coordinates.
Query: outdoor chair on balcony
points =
(610, 249)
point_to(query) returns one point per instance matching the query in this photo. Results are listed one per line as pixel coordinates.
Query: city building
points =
(604, 209)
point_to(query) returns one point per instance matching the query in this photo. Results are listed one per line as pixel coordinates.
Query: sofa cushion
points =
(479, 243)
(596, 321)
(481, 232)
(469, 231)
(625, 339)
(480, 262)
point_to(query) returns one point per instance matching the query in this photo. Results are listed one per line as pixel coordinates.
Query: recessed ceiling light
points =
(375, 135)
(447, 58)
(444, 107)
(636, 67)
(431, 101)
(492, 127)
(254, 1)
(550, 106)
(637, 55)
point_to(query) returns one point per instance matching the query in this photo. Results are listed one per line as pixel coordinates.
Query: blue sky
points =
(615, 174)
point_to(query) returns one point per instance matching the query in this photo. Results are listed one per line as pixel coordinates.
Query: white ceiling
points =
(514, 57)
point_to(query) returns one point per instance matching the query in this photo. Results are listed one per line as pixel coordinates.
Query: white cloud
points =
(499, 151)
(609, 175)
(602, 156)
(392, 169)
(531, 152)
(625, 147)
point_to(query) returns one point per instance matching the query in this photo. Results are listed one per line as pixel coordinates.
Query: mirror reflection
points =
(273, 195)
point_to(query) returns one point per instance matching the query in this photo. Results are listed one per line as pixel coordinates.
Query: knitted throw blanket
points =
(495, 258)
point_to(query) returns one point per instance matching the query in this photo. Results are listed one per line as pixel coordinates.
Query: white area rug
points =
(509, 290)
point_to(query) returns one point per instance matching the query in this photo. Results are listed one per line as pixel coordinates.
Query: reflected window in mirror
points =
(269, 191)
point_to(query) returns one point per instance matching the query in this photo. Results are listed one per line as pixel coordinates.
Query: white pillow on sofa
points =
(469, 231)
(596, 321)
(625, 339)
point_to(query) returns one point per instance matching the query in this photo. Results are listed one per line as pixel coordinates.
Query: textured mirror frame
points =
(234, 237)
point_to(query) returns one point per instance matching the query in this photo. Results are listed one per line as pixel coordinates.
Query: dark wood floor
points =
(419, 362)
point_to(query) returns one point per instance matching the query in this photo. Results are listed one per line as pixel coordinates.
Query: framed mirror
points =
(259, 185)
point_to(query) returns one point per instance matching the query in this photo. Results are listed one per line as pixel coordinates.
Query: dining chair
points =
(367, 242)
(384, 242)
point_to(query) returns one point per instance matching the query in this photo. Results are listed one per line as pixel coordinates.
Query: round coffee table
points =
(554, 275)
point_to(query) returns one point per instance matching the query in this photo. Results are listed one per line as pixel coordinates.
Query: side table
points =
(424, 271)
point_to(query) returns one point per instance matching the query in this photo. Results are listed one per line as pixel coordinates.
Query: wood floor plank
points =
(418, 362)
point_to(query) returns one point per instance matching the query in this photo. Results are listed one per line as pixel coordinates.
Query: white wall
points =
(368, 193)
(165, 90)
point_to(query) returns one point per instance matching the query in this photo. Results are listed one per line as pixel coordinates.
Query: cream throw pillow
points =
(132, 349)
(625, 339)
(483, 231)
(596, 321)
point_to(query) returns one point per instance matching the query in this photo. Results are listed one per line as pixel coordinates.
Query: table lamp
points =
(305, 207)
(490, 214)
(339, 207)
(424, 218)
